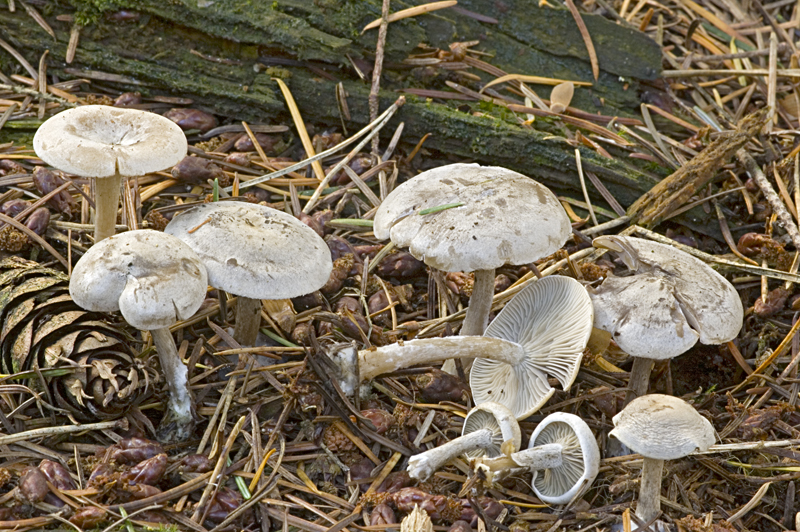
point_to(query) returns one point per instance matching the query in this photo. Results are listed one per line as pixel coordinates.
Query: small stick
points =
(376, 71)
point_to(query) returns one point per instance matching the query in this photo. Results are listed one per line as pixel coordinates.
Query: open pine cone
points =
(86, 361)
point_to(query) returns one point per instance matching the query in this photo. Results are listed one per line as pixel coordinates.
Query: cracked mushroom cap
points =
(671, 301)
(552, 320)
(101, 141)
(491, 227)
(662, 427)
(497, 418)
(580, 458)
(254, 251)
(152, 278)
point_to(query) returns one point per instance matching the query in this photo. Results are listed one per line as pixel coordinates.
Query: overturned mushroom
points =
(107, 143)
(256, 253)
(466, 217)
(154, 280)
(486, 428)
(660, 427)
(542, 331)
(562, 454)
(661, 311)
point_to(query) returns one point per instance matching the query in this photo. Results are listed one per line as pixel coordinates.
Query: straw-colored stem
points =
(422, 466)
(248, 319)
(480, 304)
(639, 381)
(649, 504)
(106, 201)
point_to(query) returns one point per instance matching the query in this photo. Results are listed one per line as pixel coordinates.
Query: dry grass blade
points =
(539, 80)
(587, 39)
(411, 12)
(301, 128)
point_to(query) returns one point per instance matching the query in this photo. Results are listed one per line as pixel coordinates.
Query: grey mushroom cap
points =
(102, 141)
(580, 458)
(671, 301)
(152, 278)
(505, 218)
(254, 251)
(552, 320)
(662, 427)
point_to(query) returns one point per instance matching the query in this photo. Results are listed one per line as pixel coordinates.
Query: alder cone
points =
(86, 361)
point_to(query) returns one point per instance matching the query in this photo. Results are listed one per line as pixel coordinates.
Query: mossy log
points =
(214, 52)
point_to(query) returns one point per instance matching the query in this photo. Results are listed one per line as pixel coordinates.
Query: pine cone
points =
(86, 361)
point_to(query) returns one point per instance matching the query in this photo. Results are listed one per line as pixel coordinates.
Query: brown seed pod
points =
(224, 502)
(9, 167)
(192, 119)
(382, 419)
(32, 485)
(400, 265)
(134, 450)
(382, 514)
(439, 507)
(460, 526)
(127, 99)
(437, 386)
(199, 170)
(775, 302)
(339, 247)
(323, 217)
(88, 517)
(196, 463)
(14, 207)
(58, 475)
(147, 471)
(38, 221)
(340, 271)
(46, 181)
(267, 142)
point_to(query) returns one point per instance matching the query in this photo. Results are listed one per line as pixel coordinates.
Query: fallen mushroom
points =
(154, 280)
(256, 253)
(466, 217)
(562, 454)
(486, 428)
(661, 311)
(660, 427)
(106, 143)
(543, 330)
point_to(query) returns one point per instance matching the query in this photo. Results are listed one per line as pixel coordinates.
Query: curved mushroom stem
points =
(178, 421)
(397, 356)
(538, 458)
(422, 466)
(248, 320)
(639, 380)
(649, 504)
(106, 202)
(480, 304)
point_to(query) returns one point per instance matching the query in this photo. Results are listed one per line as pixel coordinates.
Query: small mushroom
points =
(660, 427)
(542, 331)
(661, 311)
(106, 143)
(256, 253)
(154, 280)
(562, 454)
(486, 428)
(466, 217)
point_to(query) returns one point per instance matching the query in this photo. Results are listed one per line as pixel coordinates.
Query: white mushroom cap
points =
(254, 251)
(153, 278)
(673, 300)
(662, 427)
(497, 418)
(580, 458)
(506, 218)
(552, 320)
(101, 141)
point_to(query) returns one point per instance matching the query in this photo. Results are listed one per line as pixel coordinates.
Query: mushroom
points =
(542, 331)
(660, 427)
(256, 253)
(486, 428)
(417, 521)
(466, 217)
(154, 280)
(106, 143)
(661, 311)
(562, 453)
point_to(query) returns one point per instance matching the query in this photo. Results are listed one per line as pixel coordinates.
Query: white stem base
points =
(178, 421)
(422, 466)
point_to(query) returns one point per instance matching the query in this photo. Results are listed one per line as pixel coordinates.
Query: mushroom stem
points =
(480, 304)
(374, 362)
(178, 420)
(106, 202)
(639, 380)
(546, 456)
(649, 505)
(248, 319)
(422, 466)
